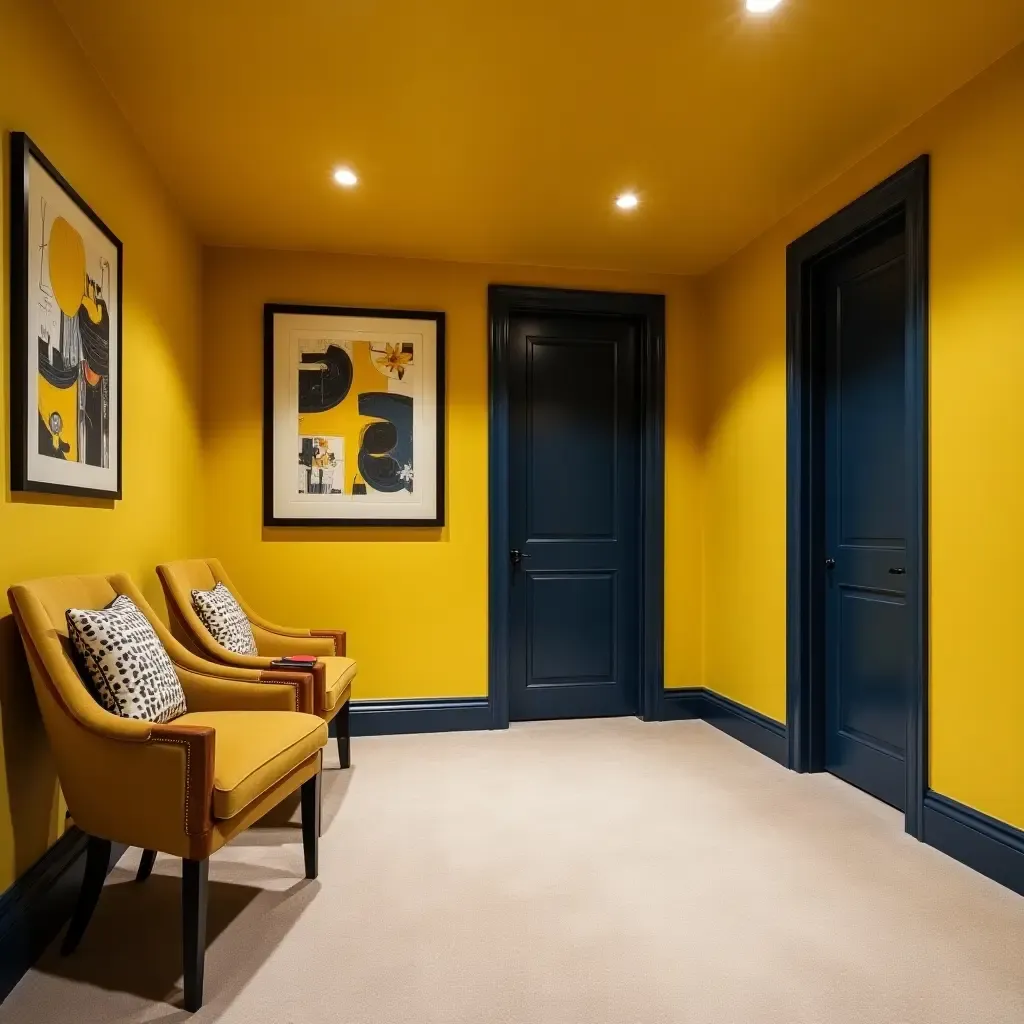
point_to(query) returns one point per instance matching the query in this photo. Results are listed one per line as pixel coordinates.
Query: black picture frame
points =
(271, 309)
(22, 150)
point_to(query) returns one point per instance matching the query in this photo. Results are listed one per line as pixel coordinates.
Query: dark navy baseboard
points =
(764, 734)
(36, 907)
(683, 704)
(390, 717)
(759, 731)
(991, 847)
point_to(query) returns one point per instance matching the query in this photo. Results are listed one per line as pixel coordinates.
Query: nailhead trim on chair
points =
(286, 682)
(188, 772)
(334, 635)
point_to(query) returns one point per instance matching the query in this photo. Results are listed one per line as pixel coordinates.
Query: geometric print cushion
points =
(222, 615)
(130, 672)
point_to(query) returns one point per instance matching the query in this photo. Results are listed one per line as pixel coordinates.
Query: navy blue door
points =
(574, 518)
(867, 626)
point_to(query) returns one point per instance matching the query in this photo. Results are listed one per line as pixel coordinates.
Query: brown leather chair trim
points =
(198, 743)
(301, 682)
(337, 635)
(320, 693)
(317, 683)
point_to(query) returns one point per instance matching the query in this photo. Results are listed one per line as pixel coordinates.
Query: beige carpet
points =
(589, 872)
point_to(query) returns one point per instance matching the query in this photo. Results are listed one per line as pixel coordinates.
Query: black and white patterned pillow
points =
(130, 672)
(222, 615)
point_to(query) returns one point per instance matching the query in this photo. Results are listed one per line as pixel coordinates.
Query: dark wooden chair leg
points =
(195, 887)
(97, 861)
(146, 865)
(311, 824)
(343, 726)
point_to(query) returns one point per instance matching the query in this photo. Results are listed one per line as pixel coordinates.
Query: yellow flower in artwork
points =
(395, 360)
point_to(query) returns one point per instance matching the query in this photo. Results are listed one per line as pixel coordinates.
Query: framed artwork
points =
(353, 407)
(66, 285)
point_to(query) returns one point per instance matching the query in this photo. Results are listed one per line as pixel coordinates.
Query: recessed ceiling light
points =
(627, 201)
(762, 6)
(346, 177)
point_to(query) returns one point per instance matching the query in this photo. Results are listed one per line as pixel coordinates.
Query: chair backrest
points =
(190, 574)
(87, 741)
(73, 719)
(39, 607)
(179, 579)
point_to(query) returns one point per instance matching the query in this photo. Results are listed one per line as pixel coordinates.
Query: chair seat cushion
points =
(253, 750)
(338, 678)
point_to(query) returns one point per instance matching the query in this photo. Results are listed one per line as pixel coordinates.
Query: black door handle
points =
(830, 563)
(897, 571)
(515, 556)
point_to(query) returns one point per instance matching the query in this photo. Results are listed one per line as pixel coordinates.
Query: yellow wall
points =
(414, 602)
(193, 425)
(977, 423)
(47, 90)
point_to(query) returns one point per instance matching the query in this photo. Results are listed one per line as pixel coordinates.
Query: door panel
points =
(868, 404)
(867, 629)
(572, 627)
(870, 634)
(571, 438)
(574, 516)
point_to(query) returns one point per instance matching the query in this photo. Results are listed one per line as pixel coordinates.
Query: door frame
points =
(904, 194)
(648, 313)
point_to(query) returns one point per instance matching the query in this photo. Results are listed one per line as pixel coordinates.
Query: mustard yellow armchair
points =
(333, 672)
(185, 787)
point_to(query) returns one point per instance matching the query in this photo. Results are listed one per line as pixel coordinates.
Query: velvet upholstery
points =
(333, 672)
(254, 750)
(184, 787)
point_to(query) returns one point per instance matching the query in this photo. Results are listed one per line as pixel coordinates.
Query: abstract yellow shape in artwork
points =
(66, 262)
(62, 403)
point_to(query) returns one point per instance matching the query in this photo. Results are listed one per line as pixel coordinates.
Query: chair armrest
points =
(337, 637)
(250, 669)
(262, 691)
(323, 643)
(157, 794)
(278, 642)
(198, 744)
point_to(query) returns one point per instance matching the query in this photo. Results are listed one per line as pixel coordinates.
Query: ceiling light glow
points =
(346, 177)
(762, 6)
(627, 201)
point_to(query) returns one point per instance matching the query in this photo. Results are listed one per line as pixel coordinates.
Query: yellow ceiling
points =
(501, 130)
